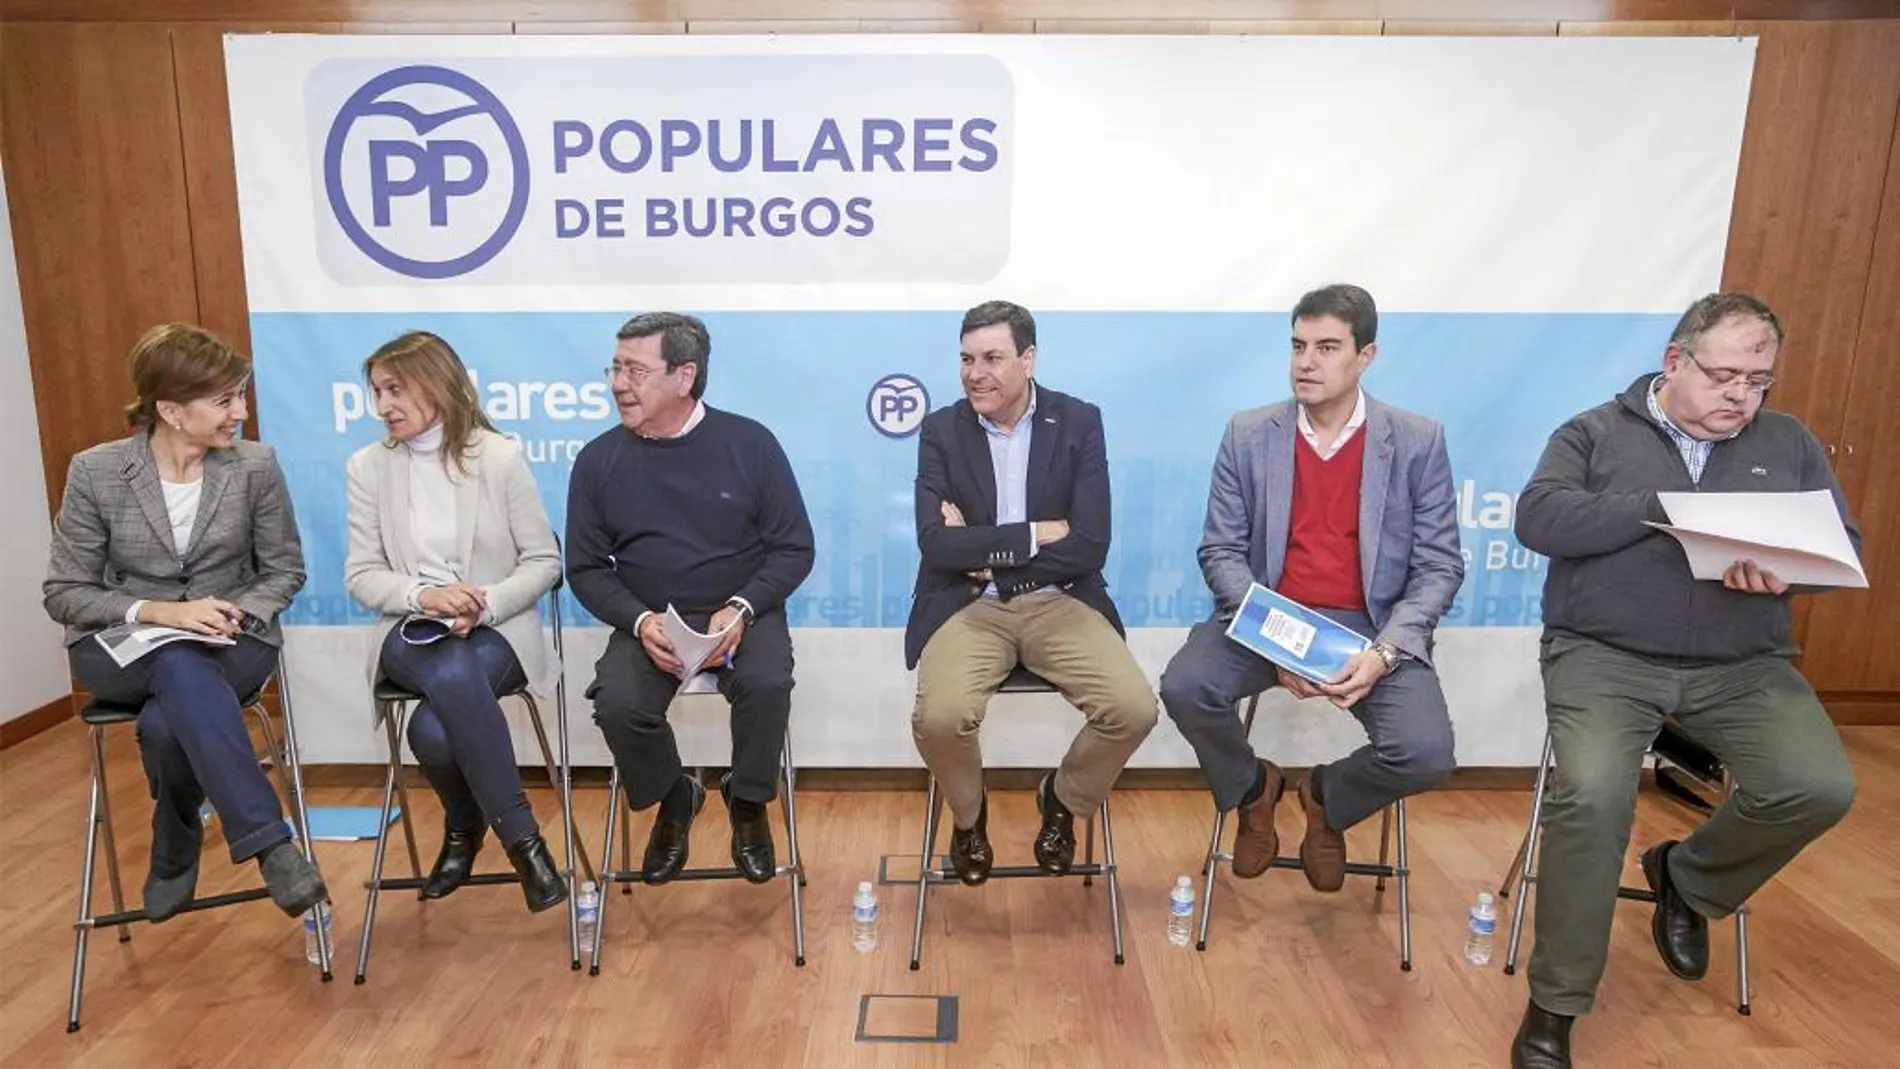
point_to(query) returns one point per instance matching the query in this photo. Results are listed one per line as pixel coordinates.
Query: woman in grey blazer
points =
(450, 543)
(186, 525)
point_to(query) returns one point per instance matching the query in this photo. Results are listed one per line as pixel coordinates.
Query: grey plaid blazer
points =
(112, 540)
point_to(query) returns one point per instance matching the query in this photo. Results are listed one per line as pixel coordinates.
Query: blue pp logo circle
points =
(897, 406)
(431, 183)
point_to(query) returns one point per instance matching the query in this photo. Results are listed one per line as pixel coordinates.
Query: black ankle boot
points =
(1543, 1040)
(455, 864)
(541, 882)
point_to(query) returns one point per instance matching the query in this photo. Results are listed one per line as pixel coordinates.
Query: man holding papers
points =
(1342, 506)
(686, 508)
(1012, 519)
(1631, 636)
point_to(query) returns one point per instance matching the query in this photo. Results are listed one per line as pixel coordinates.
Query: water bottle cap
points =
(1183, 882)
(1484, 898)
(588, 885)
(864, 887)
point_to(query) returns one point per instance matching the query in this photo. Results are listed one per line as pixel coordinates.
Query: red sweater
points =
(1322, 546)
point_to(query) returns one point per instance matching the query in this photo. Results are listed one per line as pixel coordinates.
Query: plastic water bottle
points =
(864, 915)
(1483, 922)
(1181, 912)
(310, 935)
(587, 904)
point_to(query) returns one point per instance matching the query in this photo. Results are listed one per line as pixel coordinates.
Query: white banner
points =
(1531, 214)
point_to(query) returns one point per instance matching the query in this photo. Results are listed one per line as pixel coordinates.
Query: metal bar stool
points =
(626, 875)
(393, 705)
(931, 870)
(1382, 871)
(101, 715)
(1523, 874)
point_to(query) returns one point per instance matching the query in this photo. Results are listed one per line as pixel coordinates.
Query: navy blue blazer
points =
(1068, 480)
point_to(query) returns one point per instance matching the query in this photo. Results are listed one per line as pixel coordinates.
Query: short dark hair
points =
(181, 363)
(1715, 309)
(683, 340)
(1347, 303)
(1022, 325)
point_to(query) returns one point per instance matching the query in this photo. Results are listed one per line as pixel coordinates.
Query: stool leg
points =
(301, 821)
(1527, 865)
(112, 840)
(375, 886)
(626, 843)
(1405, 895)
(1741, 962)
(924, 862)
(607, 851)
(393, 712)
(1114, 882)
(1207, 881)
(1385, 843)
(83, 926)
(797, 871)
(1088, 849)
(555, 781)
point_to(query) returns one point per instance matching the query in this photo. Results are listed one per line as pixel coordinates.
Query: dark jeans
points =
(458, 730)
(193, 742)
(631, 696)
(1407, 725)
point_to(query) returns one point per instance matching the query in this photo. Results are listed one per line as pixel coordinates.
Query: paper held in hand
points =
(1798, 537)
(690, 646)
(1307, 643)
(128, 642)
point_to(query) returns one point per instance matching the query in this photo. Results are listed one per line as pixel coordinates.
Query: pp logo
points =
(897, 406)
(426, 172)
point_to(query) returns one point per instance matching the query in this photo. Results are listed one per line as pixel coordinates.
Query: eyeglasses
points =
(634, 373)
(1724, 377)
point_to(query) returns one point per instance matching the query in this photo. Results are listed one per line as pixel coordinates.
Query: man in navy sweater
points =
(686, 506)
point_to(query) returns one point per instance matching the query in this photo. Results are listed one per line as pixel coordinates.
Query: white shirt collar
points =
(1353, 423)
(694, 420)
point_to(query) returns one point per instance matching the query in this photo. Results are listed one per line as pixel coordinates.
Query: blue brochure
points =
(1298, 639)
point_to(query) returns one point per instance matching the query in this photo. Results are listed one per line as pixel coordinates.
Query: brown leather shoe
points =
(1257, 842)
(1323, 851)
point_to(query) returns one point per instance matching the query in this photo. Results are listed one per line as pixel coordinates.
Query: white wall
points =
(32, 662)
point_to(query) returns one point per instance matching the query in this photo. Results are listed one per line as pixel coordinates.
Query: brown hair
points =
(426, 364)
(180, 363)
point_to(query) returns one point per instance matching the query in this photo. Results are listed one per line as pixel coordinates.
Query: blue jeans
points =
(458, 730)
(193, 742)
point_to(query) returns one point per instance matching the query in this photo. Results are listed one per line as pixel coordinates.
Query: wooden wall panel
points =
(1853, 636)
(1814, 159)
(101, 230)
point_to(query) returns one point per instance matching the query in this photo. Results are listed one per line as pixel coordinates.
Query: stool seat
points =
(390, 692)
(99, 712)
(1022, 681)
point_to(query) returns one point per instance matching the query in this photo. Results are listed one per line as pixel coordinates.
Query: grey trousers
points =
(1606, 706)
(1409, 728)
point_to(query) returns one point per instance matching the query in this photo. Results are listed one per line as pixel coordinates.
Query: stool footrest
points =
(1353, 868)
(1017, 872)
(635, 876)
(1636, 894)
(416, 883)
(133, 916)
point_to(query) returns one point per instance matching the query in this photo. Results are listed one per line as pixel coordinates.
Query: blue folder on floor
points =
(1298, 639)
(347, 823)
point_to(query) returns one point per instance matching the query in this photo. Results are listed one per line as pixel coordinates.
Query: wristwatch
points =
(1388, 653)
(745, 611)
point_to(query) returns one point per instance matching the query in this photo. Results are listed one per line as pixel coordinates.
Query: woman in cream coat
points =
(450, 543)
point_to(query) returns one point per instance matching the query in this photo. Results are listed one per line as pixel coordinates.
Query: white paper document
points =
(1797, 536)
(690, 646)
(126, 643)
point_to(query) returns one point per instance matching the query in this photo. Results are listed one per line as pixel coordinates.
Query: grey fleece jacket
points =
(1619, 582)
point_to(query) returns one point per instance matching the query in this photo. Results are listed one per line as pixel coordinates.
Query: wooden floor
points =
(701, 974)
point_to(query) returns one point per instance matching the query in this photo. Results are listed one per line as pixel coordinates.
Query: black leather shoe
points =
(1055, 843)
(541, 882)
(455, 864)
(666, 845)
(1543, 1040)
(1681, 934)
(751, 837)
(970, 853)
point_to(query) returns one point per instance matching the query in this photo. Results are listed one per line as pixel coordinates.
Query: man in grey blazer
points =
(1344, 505)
